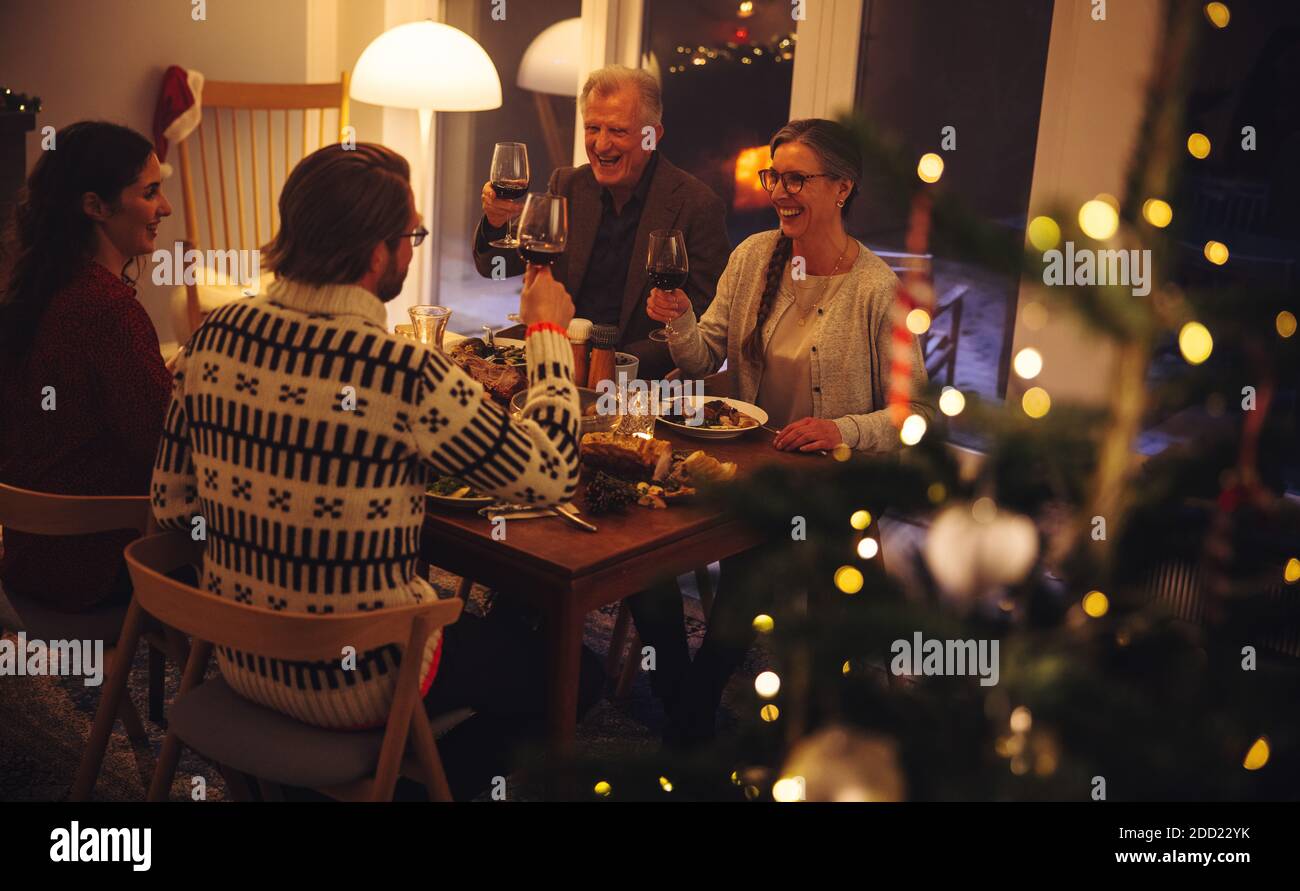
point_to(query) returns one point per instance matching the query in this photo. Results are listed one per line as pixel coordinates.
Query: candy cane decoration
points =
(914, 290)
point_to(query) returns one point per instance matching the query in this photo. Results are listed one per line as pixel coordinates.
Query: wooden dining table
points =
(566, 572)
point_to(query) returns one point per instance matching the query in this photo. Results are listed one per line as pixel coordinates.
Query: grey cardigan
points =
(852, 340)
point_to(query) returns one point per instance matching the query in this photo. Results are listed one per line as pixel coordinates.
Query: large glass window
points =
(543, 121)
(976, 67)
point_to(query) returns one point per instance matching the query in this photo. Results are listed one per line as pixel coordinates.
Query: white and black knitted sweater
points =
(305, 434)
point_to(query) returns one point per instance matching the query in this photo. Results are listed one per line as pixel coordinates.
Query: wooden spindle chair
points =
(240, 108)
(246, 738)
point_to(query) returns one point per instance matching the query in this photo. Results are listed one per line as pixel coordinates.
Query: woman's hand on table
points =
(808, 435)
(667, 306)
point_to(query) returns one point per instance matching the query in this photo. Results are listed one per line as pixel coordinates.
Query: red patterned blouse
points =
(94, 433)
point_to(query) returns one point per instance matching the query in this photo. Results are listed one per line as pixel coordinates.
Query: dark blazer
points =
(676, 200)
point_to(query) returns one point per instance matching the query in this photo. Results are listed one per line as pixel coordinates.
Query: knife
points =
(569, 513)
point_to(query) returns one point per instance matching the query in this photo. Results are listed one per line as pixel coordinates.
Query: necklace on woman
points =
(805, 313)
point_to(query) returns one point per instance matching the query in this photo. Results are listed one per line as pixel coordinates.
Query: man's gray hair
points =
(613, 78)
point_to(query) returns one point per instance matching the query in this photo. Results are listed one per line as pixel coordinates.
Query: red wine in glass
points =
(539, 253)
(510, 189)
(543, 229)
(509, 178)
(666, 266)
(667, 278)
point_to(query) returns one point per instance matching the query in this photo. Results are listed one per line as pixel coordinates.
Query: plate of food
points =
(505, 350)
(711, 417)
(452, 491)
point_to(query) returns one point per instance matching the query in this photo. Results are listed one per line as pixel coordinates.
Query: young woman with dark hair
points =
(83, 387)
(802, 317)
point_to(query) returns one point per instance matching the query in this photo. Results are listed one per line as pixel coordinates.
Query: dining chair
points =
(43, 513)
(244, 737)
(275, 107)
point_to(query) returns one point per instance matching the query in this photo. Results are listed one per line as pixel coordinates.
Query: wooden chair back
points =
(295, 637)
(262, 120)
(41, 513)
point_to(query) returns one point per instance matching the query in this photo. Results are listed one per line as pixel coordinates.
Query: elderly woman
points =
(802, 317)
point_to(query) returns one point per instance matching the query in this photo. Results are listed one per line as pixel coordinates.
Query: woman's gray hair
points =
(612, 78)
(833, 143)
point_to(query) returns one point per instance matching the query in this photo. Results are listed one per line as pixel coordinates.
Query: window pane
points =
(978, 68)
(726, 86)
(544, 122)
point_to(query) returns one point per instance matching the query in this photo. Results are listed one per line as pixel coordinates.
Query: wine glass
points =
(543, 229)
(666, 265)
(509, 177)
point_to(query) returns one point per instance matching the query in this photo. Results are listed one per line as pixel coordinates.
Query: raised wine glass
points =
(666, 266)
(543, 229)
(509, 177)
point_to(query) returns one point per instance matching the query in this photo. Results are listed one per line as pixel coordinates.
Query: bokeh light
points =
(788, 789)
(1257, 757)
(860, 519)
(918, 321)
(930, 167)
(1285, 323)
(1036, 402)
(1028, 363)
(1216, 252)
(763, 623)
(1158, 213)
(767, 684)
(1198, 144)
(1044, 233)
(1218, 14)
(913, 429)
(951, 401)
(848, 579)
(868, 548)
(1096, 604)
(1098, 219)
(1195, 343)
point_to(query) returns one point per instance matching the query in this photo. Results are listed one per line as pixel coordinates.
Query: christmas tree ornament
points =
(839, 763)
(970, 555)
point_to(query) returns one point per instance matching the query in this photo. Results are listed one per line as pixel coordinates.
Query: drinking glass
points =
(509, 177)
(543, 229)
(667, 267)
(430, 323)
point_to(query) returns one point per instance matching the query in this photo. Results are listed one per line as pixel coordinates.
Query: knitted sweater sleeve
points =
(461, 432)
(699, 346)
(174, 492)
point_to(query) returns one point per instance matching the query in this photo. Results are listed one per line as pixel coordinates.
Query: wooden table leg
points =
(563, 650)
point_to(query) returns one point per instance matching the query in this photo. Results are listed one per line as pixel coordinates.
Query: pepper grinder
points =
(603, 340)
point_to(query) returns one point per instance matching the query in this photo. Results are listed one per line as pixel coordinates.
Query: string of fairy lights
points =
(1024, 748)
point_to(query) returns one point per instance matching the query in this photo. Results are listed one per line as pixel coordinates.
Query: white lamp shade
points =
(550, 64)
(426, 65)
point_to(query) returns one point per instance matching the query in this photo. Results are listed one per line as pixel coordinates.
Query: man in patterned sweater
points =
(304, 435)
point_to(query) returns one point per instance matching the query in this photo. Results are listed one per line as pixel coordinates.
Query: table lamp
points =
(430, 67)
(549, 67)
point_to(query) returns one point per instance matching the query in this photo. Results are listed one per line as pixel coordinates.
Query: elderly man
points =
(626, 191)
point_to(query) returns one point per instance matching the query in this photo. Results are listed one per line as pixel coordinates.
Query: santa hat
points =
(179, 111)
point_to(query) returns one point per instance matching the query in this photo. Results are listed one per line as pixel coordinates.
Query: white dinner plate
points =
(702, 432)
